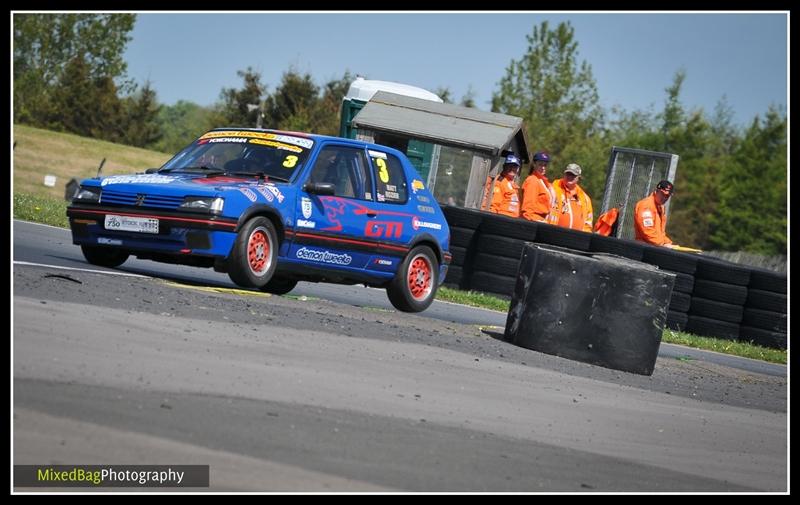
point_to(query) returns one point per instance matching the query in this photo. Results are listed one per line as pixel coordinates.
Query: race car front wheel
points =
(414, 287)
(279, 286)
(255, 252)
(104, 256)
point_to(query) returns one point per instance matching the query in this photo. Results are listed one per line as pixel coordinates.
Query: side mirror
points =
(320, 188)
(151, 170)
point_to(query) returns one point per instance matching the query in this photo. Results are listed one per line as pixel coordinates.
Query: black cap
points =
(665, 184)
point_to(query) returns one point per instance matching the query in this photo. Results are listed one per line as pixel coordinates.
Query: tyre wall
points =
(711, 297)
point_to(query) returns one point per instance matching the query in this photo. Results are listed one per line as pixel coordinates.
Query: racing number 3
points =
(290, 161)
(383, 172)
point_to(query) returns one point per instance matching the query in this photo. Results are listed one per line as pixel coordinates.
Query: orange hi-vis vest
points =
(505, 197)
(573, 209)
(650, 222)
(605, 223)
(538, 199)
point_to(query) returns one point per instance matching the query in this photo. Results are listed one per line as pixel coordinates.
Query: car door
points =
(330, 228)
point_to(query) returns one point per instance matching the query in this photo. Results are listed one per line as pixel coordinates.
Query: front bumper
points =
(178, 232)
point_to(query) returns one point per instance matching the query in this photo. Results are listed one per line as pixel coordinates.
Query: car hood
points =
(185, 184)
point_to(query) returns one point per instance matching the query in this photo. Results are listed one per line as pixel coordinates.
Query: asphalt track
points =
(313, 393)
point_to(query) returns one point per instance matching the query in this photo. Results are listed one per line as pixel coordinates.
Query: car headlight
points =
(87, 194)
(209, 204)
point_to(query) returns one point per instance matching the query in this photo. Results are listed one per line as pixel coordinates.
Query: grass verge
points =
(40, 209)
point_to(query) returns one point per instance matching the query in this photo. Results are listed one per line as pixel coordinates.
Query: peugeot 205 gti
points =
(272, 208)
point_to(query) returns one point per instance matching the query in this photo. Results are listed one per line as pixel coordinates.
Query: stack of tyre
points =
(684, 266)
(764, 320)
(464, 224)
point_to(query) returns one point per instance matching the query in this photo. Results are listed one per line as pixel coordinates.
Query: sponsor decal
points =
(417, 185)
(383, 261)
(381, 198)
(391, 187)
(108, 241)
(417, 224)
(323, 256)
(266, 194)
(227, 139)
(426, 208)
(392, 195)
(277, 145)
(377, 154)
(306, 224)
(647, 213)
(139, 179)
(423, 199)
(249, 194)
(305, 205)
(648, 223)
(386, 229)
(297, 141)
(275, 191)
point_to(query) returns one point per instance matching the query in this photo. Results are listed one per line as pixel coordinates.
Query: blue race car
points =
(272, 208)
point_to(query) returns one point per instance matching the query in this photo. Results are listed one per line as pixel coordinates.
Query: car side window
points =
(391, 184)
(346, 168)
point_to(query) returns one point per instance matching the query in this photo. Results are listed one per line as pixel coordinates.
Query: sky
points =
(741, 56)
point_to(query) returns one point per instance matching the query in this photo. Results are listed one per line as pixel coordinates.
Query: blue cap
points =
(541, 156)
(512, 160)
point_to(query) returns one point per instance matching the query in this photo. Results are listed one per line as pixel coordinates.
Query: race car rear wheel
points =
(104, 256)
(414, 287)
(255, 253)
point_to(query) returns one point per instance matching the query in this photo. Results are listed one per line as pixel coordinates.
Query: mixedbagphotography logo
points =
(111, 475)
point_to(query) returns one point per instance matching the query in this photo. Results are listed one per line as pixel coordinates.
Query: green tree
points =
(329, 107)
(45, 44)
(182, 123)
(87, 105)
(292, 105)
(235, 108)
(752, 213)
(557, 97)
(141, 118)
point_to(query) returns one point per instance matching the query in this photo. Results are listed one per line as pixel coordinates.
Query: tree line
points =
(69, 75)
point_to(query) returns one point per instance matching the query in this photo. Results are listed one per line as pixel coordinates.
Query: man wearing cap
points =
(573, 207)
(650, 220)
(538, 196)
(505, 193)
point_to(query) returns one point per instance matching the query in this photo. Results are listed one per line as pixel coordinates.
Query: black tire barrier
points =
(704, 326)
(492, 283)
(495, 265)
(563, 237)
(764, 319)
(767, 280)
(679, 302)
(667, 259)
(714, 269)
(461, 237)
(453, 278)
(459, 255)
(499, 245)
(619, 246)
(677, 320)
(511, 227)
(601, 309)
(684, 283)
(716, 310)
(766, 300)
(464, 218)
(720, 291)
(763, 338)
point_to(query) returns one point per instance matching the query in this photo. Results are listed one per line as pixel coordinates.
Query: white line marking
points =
(81, 269)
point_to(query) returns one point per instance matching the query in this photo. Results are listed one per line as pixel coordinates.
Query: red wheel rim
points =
(420, 279)
(258, 251)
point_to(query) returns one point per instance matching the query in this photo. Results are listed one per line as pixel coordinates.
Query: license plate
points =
(128, 223)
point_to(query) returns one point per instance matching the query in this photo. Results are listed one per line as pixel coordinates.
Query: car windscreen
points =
(272, 155)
